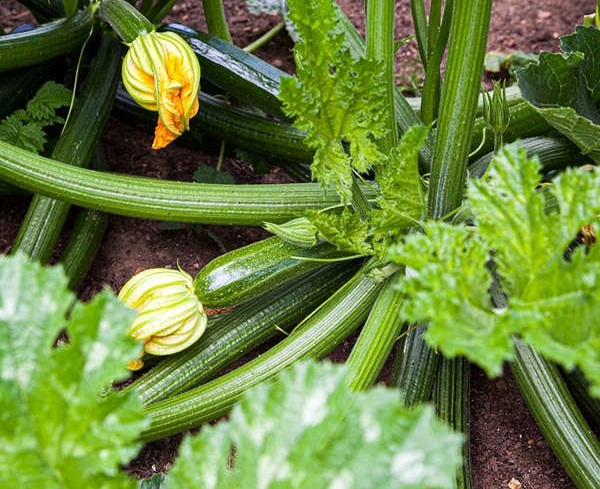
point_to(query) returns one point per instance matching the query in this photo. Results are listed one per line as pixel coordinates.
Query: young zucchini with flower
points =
(160, 70)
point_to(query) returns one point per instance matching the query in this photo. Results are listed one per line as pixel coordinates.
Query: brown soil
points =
(504, 440)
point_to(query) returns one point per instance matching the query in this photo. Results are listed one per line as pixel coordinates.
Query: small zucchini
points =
(47, 41)
(321, 331)
(247, 272)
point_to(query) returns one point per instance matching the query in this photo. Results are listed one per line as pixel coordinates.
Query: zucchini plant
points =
(399, 234)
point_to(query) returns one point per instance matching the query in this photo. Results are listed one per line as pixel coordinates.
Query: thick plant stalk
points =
(376, 340)
(86, 236)
(215, 19)
(451, 396)
(45, 217)
(462, 82)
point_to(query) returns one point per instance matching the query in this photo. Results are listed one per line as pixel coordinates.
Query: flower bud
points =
(161, 72)
(170, 317)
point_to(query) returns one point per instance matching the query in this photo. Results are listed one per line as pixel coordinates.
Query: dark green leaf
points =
(565, 89)
(209, 174)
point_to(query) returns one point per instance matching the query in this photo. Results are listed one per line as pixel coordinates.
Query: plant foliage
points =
(565, 89)
(25, 127)
(508, 276)
(337, 99)
(58, 427)
(308, 429)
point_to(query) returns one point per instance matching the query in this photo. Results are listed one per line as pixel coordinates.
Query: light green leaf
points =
(59, 427)
(516, 251)
(448, 285)
(336, 99)
(309, 430)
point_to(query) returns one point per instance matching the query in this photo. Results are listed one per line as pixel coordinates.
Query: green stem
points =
(45, 217)
(86, 236)
(462, 82)
(451, 396)
(376, 340)
(417, 8)
(215, 19)
(416, 368)
(380, 47)
(265, 38)
(438, 38)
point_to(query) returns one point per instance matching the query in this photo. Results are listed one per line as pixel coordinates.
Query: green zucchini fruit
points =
(317, 335)
(47, 41)
(221, 120)
(231, 335)
(567, 433)
(234, 70)
(163, 200)
(245, 273)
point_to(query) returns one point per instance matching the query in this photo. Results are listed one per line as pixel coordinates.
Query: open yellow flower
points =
(170, 317)
(161, 72)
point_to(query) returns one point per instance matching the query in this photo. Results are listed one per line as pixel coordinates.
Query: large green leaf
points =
(551, 302)
(308, 429)
(59, 428)
(565, 89)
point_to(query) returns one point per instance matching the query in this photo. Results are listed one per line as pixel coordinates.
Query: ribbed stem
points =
(376, 340)
(86, 236)
(462, 82)
(564, 428)
(215, 19)
(451, 396)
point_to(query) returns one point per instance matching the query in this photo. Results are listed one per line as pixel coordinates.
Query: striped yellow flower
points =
(161, 72)
(170, 317)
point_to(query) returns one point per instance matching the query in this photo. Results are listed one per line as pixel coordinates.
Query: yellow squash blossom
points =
(170, 317)
(161, 72)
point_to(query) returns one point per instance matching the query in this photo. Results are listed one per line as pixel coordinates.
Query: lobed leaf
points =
(336, 99)
(508, 276)
(308, 429)
(60, 428)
